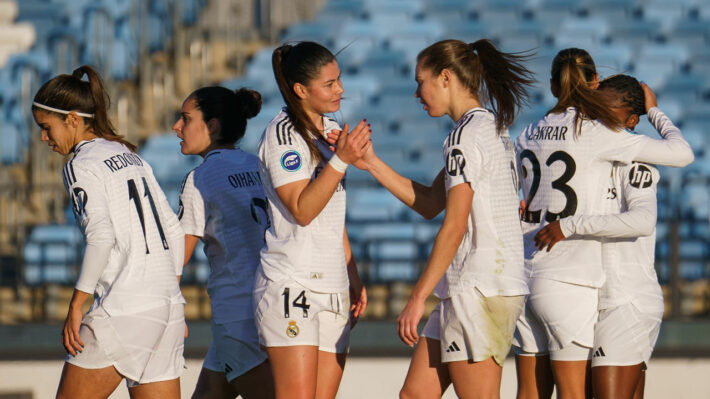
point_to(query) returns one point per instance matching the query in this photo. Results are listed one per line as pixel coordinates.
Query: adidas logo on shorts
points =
(227, 369)
(599, 353)
(453, 347)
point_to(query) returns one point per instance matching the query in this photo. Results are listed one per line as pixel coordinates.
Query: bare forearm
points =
(78, 298)
(316, 195)
(446, 244)
(428, 201)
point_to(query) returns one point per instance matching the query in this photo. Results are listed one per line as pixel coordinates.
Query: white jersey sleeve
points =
(639, 219)
(192, 207)
(288, 158)
(672, 150)
(94, 220)
(463, 165)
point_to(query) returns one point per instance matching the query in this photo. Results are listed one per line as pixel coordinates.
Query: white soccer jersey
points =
(490, 256)
(222, 201)
(313, 255)
(564, 176)
(118, 202)
(628, 250)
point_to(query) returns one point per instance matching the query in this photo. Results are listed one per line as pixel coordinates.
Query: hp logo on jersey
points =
(455, 162)
(640, 176)
(291, 161)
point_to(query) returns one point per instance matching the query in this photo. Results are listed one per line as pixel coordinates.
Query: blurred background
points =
(153, 53)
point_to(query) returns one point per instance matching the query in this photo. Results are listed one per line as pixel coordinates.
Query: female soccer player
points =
(134, 251)
(301, 293)
(476, 263)
(565, 160)
(630, 301)
(222, 202)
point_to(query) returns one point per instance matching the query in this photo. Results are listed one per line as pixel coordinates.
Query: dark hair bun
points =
(248, 102)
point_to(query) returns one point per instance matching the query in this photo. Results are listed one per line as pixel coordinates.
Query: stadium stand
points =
(377, 42)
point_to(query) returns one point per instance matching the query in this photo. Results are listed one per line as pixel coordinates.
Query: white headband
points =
(61, 111)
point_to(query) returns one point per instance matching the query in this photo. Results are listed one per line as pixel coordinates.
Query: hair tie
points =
(61, 111)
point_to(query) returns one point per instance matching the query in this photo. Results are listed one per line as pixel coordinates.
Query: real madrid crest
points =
(292, 329)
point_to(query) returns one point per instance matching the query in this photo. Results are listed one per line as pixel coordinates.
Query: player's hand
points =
(351, 146)
(185, 330)
(362, 163)
(521, 210)
(408, 321)
(358, 301)
(70, 334)
(649, 97)
(548, 236)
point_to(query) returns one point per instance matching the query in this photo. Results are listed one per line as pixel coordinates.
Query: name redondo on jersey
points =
(244, 179)
(548, 133)
(120, 161)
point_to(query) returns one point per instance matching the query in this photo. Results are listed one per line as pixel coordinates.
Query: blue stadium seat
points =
(581, 32)
(12, 144)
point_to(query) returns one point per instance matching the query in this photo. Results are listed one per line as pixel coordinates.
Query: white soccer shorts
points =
(235, 348)
(289, 314)
(432, 326)
(474, 327)
(558, 320)
(144, 347)
(624, 336)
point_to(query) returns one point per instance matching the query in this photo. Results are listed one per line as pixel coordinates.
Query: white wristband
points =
(337, 163)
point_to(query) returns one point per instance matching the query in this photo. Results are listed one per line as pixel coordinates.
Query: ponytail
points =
(572, 72)
(230, 108)
(505, 79)
(300, 64)
(71, 93)
(495, 78)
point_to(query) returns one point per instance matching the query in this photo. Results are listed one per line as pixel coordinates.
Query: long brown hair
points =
(300, 63)
(496, 78)
(572, 72)
(70, 93)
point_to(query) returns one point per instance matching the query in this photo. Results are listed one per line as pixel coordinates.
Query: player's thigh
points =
(534, 375)
(612, 382)
(573, 378)
(169, 389)
(213, 384)
(77, 382)
(476, 379)
(295, 370)
(255, 383)
(330, 372)
(427, 376)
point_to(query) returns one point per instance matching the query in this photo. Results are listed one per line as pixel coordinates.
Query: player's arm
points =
(191, 215)
(453, 229)
(305, 199)
(358, 294)
(428, 201)
(673, 150)
(638, 220)
(88, 197)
